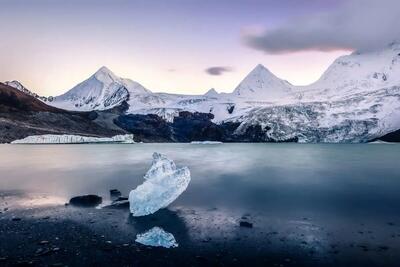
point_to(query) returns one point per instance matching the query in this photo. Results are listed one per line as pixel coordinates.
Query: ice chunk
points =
(157, 237)
(163, 184)
(73, 139)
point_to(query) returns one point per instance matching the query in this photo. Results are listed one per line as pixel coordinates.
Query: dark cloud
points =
(355, 25)
(218, 70)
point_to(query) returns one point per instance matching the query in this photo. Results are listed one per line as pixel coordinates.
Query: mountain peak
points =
(260, 66)
(15, 84)
(211, 92)
(260, 82)
(104, 73)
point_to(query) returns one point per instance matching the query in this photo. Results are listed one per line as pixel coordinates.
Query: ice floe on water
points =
(379, 142)
(163, 184)
(206, 142)
(73, 139)
(157, 237)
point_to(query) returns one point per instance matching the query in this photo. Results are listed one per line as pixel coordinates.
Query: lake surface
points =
(282, 178)
(328, 203)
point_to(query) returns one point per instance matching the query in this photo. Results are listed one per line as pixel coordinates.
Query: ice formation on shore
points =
(163, 184)
(73, 139)
(157, 237)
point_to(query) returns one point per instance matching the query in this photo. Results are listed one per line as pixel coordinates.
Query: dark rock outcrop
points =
(390, 137)
(86, 201)
(188, 126)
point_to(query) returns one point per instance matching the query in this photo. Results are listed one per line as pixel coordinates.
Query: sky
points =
(184, 46)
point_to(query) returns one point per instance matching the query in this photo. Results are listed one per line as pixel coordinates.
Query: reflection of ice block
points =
(163, 184)
(157, 237)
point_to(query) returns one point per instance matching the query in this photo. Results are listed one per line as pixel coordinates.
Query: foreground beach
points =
(59, 235)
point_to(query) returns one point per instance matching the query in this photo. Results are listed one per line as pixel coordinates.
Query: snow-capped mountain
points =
(17, 85)
(103, 90)
(356, 99)
(211, 93)
(356, 73)
(262, 84)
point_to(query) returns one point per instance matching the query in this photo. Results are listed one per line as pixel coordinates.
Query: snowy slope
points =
(356, 73)
(356, 118)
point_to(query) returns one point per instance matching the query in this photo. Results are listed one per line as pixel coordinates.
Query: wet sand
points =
(59, 235)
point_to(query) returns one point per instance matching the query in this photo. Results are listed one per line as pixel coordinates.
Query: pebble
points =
(246, 224)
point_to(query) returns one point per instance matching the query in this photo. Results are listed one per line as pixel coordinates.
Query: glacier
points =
(73, 139)
(164, 183)
(157, 237)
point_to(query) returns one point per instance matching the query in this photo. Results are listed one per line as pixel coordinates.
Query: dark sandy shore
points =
(59, 235)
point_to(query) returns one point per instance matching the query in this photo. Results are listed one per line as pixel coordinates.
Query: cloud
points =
(354, 25)
(217, 70)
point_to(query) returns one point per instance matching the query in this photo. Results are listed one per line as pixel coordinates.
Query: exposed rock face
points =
(188, 127)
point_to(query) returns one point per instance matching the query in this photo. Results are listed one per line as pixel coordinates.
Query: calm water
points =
(284, 179)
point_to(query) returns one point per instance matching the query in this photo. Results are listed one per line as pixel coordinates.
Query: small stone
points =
(86, 201)
(200, 258)
(383, 248)
(43, 242)
(114, 193)
(246, 224)
(16, 219)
